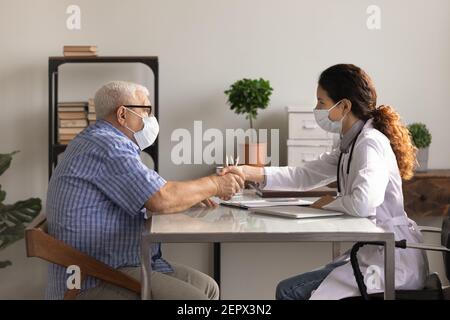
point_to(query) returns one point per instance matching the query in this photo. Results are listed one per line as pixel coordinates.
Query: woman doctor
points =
(374, 155)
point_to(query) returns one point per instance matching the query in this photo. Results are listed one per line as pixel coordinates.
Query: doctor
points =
(374, 155)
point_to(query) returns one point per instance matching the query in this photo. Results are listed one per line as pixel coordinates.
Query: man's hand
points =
(248, 173)
(227, 185)
(319, 204)
(208, 203)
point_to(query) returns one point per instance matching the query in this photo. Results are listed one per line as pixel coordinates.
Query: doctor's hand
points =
(239, 170)
(227, 185)
(323, 201)
(248, 173)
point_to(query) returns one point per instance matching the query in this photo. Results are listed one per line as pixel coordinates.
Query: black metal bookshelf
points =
(53, 70)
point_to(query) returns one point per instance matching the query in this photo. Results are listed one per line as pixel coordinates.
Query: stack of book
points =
(92, 117)
(80, 51)
(71, 120)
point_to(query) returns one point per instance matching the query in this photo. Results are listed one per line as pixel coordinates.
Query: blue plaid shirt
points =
(95, 202)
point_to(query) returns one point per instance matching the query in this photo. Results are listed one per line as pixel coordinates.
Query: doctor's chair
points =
(432, 290)
(41, 245)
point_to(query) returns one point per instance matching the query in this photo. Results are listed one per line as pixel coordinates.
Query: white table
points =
(226, 224)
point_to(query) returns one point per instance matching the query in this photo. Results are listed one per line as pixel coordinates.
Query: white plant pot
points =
(422, 159)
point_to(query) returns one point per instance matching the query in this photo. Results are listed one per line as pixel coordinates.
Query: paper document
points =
(262, 203)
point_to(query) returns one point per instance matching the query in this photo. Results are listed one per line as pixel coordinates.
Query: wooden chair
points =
(41, 245)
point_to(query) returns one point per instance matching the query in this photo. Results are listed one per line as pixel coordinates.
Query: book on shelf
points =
(85, 48)
(63, 115)
(80, 51)
(293, 193)
(70, 130)
(72, 109)
(73, 123)
(72, 104)
(66, 137)
(91, 105)
(73, 117)
(91, 116)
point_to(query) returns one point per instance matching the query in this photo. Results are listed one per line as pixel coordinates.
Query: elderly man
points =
(100, 192)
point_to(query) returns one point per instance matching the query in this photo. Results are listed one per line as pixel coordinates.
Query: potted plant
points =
(246, 96)
(14, 217)
(421, 138)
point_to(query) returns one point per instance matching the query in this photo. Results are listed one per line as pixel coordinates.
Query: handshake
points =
(229, 181)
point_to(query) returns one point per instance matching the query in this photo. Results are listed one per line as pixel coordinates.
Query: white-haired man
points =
(100, 192)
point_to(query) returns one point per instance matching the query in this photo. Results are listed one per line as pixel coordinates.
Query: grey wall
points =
(204, 46)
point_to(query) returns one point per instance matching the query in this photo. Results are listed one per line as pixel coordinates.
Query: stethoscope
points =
(348, 163)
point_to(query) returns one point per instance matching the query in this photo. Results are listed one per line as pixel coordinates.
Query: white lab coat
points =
(373, 189)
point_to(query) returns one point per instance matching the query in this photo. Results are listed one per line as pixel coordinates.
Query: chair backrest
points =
(445, 241)
(40, 244)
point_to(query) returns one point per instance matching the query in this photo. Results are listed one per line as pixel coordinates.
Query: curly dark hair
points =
(347, 81)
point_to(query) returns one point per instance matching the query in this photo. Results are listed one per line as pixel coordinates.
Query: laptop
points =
(296, 212)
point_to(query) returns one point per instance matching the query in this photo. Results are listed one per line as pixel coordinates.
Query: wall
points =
(204, 46)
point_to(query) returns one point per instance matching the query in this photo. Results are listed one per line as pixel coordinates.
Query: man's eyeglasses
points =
(148, 108)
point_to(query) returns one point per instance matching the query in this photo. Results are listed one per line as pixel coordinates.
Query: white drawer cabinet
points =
(306, 139)
(301, 151)
(303, 125)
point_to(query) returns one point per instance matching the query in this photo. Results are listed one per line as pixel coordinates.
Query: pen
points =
(231, 161)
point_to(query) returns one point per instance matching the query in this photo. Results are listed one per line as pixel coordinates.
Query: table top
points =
(226, 224)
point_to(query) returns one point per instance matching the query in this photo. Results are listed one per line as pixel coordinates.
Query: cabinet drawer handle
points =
(309, 157)
(310, 125)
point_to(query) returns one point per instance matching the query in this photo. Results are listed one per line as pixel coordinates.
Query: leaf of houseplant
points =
(420, 135)
(21, 212)
(2, 194)
(9, 235)
(5, 161)
(4, 264)
(14, 217)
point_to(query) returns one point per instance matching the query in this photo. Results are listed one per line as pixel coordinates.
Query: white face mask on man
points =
(324, 121)
(147, 136)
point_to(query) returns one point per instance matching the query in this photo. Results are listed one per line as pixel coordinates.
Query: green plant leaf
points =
(5, 161)
(21, 211)
(246, 96)
(420, 135)
(9, 235)
(14, 218)
(4, 264)
(2, 194)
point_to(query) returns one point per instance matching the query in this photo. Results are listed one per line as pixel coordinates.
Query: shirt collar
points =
(350, 135)
(117, 131)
